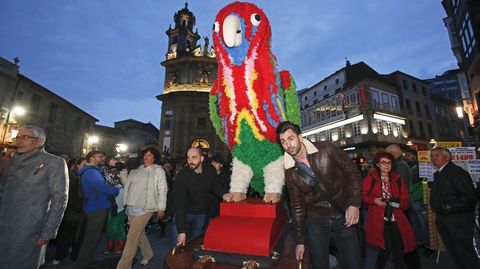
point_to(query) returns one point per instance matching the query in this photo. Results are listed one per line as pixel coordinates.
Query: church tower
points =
(190, 70)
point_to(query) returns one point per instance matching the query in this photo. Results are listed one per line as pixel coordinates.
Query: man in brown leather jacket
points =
(325, 196)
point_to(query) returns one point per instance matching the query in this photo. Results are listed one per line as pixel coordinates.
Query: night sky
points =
(104, 56)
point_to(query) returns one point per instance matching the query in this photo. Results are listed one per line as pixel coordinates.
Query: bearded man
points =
(192, 189)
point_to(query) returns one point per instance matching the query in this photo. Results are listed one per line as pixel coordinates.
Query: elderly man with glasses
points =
(33, 197)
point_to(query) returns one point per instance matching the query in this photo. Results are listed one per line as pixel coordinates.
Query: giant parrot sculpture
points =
(249, 98)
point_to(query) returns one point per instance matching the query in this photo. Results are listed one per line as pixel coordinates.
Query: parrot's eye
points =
(255, 19)
(216, 27)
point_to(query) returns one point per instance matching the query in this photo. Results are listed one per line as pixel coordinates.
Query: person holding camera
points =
(387, 227)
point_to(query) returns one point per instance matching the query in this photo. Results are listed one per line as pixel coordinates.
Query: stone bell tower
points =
(190, 70)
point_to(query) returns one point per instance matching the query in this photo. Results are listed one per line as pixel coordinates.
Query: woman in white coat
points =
(145, 194)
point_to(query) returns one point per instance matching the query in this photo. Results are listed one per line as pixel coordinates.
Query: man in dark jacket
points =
(191, 193)
(417, 212)
(453, 200)
(325, 194)
(401, 166)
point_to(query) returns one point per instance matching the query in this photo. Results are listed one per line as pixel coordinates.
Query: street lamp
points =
(459, 110)
(121, 148)
(15, 111)
(92, 140)
(18, 110)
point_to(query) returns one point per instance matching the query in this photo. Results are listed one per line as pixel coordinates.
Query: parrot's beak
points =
(232, 31)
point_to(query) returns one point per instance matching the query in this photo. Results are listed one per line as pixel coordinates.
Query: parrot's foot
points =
(238, 196)
(272, 197)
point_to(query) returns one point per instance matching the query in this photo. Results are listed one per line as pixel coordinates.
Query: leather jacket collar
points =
(289, 162)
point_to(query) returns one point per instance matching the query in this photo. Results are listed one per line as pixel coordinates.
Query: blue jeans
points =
(321, 231)
(195, 224)
(418, 218)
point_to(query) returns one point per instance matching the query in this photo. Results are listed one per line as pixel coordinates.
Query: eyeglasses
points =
(25, 137)
(385, 163)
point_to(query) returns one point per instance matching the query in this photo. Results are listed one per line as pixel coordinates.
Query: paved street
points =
(160, 247)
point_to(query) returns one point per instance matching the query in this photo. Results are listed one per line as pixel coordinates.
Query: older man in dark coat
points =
(33, 197)
(453, 200)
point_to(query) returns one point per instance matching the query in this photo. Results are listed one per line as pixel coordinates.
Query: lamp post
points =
(18, 111)
(92, 140)
(121, 148)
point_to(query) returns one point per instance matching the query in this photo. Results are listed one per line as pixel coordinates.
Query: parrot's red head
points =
(238, 28)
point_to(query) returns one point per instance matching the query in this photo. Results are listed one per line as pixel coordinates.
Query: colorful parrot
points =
(249, 98)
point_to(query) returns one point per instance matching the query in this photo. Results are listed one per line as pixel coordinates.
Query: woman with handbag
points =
(145, 194)
(386, 226)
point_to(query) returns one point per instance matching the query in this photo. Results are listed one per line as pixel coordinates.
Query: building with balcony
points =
(463, 25)
(361, 110)
(356, 108)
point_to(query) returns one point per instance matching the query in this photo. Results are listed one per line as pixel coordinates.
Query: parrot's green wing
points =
(291, 102)
(215, 117)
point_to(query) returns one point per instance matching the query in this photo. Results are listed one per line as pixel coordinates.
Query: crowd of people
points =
(367, 219)
(327, 191)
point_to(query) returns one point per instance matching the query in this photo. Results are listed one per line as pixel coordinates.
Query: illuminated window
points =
(379, 127)
(389, 128)
(328, 134)
(356, 128)
(200, 143)
(341, 133)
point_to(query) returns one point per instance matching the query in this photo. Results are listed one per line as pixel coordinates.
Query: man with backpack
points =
(96, 205)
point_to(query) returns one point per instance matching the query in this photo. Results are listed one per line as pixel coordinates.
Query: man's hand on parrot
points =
(272, 197)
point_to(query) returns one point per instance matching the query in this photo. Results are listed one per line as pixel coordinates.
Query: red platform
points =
(248, 227)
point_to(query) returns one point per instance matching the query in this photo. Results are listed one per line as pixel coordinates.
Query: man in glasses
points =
(96, 204)
(33, 197)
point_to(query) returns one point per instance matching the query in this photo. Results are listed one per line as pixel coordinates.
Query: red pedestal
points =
(249, 227)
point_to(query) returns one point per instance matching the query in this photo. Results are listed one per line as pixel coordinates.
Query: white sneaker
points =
(56, 262)
(145, 262)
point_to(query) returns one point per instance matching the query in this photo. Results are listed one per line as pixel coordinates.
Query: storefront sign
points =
(463, 153)
(448, 144)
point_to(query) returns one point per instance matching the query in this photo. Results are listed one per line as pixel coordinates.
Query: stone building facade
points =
(67, 126)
